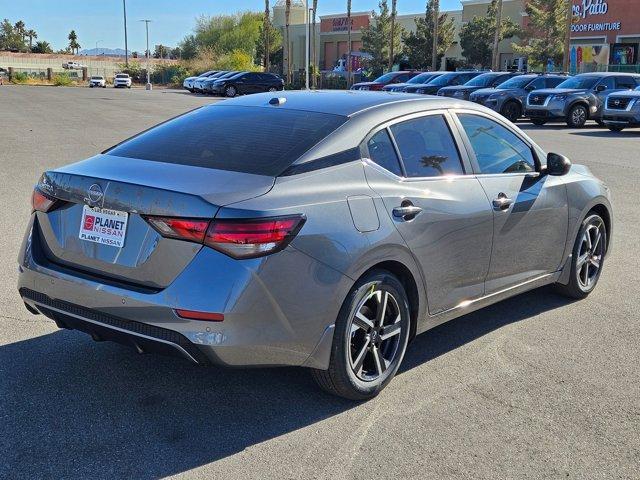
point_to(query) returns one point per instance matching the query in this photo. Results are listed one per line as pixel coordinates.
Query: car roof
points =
(607, 74)
(341, 102)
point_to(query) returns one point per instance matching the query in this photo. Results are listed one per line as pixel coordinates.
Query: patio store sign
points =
(589, 8)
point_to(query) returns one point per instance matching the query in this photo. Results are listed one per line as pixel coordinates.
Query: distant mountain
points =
(108, 52)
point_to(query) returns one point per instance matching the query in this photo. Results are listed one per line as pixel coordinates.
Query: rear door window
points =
(381, 151)
(553, 82)
(628, 83)
(258, 140)
(427, 147)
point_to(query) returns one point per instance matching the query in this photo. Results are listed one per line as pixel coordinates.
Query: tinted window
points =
(483, 80)
(626, 83)
(381, 151)
(387, 77)
(553, 82)
(404, 77)
(497, 149)
(579, 82)
(516, 82)
(538, 83)
(259, 140)
(609, 82)
(427, 147)
(443, 79)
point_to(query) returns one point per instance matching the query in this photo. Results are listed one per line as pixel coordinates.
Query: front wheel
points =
(537, 121)
(511, 111)
(577, 116)
(230, 91)
(587, 258)
(370, 338)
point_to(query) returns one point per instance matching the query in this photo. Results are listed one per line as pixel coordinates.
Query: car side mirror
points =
(557, 164)
(601, 88)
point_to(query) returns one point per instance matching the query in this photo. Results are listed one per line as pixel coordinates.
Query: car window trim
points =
(472, 154)
(457, 140)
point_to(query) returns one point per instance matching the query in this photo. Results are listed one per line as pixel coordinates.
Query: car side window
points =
(427, 147)
(381, 151)
(497, 149)
(628, 83)
(553, 82)
(608, 82)
(500, 79)
(403, 78)
(537, 84)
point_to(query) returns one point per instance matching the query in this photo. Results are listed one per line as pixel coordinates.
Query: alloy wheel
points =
(578, 116)
(590, 254)
(511, 112)
(374, 335)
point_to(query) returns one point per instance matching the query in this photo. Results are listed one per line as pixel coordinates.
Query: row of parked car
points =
(232, 83)
(121, 80)
(611, 99)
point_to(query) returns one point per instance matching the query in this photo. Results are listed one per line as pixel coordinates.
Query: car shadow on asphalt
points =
(73, 408)
(631, 133)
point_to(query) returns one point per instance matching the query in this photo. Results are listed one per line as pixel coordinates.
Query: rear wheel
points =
(230, 91)
(587, 258)
(538, 121)
(370, 338)
(511, 111)
(577, 116)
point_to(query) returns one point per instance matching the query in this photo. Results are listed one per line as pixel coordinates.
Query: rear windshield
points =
(516, 82)
(443, 79)
(258, 140)
(483, 80)
(122, 75)
(579, 82)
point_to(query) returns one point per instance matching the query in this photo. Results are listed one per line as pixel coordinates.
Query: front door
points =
(529, 208)
(441, 212)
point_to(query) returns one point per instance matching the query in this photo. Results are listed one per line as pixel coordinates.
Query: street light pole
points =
(307, 43)
(148, 54)
(126, 48)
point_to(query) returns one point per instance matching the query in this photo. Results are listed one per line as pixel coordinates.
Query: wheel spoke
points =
(390, 331)
(595, 262)
(382, 308)
(587, 236)
(381, 363)
(596, 242)
(582, 259)
(359, 360)
(362, 322)
(584, 273)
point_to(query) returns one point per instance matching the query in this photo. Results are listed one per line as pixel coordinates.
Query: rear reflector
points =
(41, 202)
(194, 315)
(238, 238)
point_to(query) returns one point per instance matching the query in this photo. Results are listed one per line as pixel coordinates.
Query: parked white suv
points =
(97, 81)
(72, 66)
(122, 80)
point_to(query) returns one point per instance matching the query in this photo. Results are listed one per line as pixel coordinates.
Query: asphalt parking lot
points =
(533, 387)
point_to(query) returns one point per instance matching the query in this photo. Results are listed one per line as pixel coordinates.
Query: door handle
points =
(407, 211)
(502, 202)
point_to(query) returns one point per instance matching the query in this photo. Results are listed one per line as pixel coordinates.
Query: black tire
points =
(512, 111)
(230, 91)
(371, 349)
(577, 116)
(577, 287)
(538, 121)
(615, 128)
(600, 123)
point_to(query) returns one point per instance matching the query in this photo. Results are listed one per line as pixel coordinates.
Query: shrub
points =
(62, 80)
(19, 77)
(171, 73)
(236, 60)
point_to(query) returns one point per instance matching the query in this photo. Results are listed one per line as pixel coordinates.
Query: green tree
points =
(226, 33)
(376, 39)
(10, 37)
(42, 47)
(20, 28)
(275, 45)
(235, 60)
(189, 47)
(74, 46)
(544, 36)
(476, 36)
(160, 51)
(31, 33)
(418, 45)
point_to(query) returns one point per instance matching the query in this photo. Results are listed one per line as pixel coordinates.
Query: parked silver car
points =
(318, 229)
(622, 110)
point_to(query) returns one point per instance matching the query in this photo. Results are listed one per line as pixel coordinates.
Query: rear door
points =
(439, 209)
(529, 209)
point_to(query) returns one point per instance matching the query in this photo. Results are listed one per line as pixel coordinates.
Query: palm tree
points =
(287, 18)
(73, 41)
(348, 43)
(393, 31)
(42, 47)
(20, 27)
(314, 56)
(266, 29)
(31, 34)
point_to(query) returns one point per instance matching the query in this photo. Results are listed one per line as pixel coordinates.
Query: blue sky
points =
(101, 21)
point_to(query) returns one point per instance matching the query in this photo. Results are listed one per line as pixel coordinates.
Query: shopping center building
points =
(604, 32)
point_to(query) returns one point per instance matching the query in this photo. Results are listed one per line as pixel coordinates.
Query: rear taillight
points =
(43, 203)
(238, 238)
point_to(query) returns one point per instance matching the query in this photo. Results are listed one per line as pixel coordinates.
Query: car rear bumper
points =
(278, 310)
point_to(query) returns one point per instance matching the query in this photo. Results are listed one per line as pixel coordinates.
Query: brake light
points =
(195, 315)
(238, 238)
(252, 238)
(192, 230)
(41, 202)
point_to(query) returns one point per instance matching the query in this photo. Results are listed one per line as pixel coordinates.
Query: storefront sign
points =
(597, 27)
(590, 7)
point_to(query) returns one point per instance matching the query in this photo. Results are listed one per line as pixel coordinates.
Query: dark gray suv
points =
(578, 98)
(486, 80)
(622, 109)
(509, 97)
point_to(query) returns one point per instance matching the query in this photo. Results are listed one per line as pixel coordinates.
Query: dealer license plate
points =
(104, 226)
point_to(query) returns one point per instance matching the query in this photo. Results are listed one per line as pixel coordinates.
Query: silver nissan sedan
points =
(316, 229)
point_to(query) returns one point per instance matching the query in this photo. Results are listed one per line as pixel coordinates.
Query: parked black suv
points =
(444, 80)
(578, 98)
(486, 80)
(247, 82)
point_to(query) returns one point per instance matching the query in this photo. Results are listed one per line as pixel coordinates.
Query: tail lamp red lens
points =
(196, 315)
(238, 238)
(41, 202)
